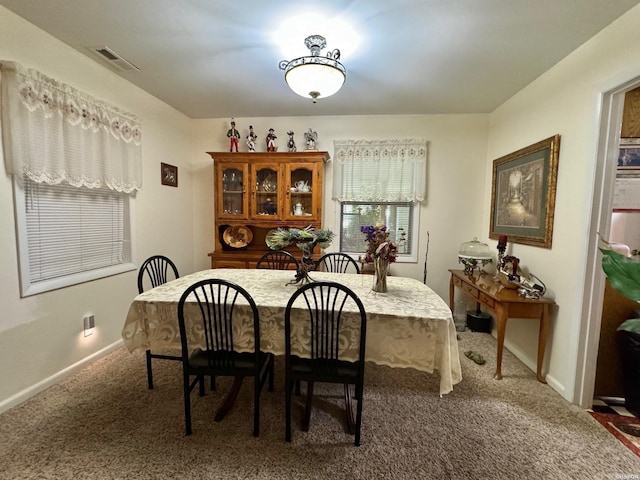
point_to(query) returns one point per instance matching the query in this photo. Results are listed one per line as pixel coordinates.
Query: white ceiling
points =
(212, 58)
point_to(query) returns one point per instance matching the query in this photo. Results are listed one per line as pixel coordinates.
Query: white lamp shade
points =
(312, 77)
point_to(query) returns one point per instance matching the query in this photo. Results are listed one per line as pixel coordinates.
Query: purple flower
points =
(379, 245)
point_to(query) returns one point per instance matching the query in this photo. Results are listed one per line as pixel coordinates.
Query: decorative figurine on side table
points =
(234, 136)
(251, 139)
(271, 141)
(291, 144)
(512, 276)
(311, 138)
(508, 265)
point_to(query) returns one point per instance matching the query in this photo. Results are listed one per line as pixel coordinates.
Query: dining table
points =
(408, 326)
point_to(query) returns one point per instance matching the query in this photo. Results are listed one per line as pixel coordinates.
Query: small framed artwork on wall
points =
(523, 194)
(169, 175)
(629, 154)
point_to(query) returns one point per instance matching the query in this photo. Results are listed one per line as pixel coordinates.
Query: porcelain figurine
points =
(234, 136)
(271, 141)
(251, 139)
(311, 138)
(291, 144)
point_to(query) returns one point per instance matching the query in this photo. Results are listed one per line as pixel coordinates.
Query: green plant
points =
(302, 237)
(624, 276)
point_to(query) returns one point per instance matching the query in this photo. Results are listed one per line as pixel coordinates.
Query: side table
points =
(505, 303)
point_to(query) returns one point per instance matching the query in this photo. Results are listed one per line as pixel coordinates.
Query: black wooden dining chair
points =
(216, 307)
(337, 262)
(154, 271)
(278, 260)
(330, 324)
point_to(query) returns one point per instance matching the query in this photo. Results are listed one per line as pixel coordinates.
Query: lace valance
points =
(52, 133)
(380, 170)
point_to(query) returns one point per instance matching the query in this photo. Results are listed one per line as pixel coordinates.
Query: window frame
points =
(28, 288)
(415, 222)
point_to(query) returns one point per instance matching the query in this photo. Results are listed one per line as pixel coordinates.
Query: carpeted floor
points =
(103, 423)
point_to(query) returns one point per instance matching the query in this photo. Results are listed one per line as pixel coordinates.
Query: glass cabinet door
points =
(266, 191)
(301, 197)
(233, 200)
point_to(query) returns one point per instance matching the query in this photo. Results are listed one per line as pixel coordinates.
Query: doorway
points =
(604, 182)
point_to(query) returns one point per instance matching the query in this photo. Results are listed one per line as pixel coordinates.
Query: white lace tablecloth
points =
(408, 326)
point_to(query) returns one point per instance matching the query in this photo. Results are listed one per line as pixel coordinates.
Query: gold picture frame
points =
(523, 194)
(169, 174)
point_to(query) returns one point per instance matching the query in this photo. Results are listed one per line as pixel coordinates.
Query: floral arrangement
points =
(302, 237)
(306, 240)
(379, 245)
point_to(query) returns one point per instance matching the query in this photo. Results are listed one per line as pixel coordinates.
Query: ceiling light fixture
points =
(315, 76)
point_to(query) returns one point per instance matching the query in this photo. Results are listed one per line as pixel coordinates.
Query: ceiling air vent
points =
(113, 59)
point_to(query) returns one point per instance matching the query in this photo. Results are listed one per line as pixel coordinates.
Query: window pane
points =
(396, 216)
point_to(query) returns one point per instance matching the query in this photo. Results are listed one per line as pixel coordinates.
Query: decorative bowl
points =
(237, 236)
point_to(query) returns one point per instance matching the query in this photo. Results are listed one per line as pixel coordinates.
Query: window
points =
(380, 181)
(68, 235)
(398, 217)
(76, 163)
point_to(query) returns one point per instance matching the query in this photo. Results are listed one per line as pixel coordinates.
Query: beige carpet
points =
(103, 423)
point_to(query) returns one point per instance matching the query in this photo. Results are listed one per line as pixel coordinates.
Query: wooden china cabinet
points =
(257, 192)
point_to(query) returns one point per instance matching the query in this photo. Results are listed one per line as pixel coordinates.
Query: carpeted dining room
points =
(103, 422)
(166, 176)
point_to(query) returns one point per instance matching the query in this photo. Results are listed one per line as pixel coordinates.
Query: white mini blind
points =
(72, 230)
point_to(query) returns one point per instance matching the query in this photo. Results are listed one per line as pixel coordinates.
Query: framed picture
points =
(523, 194)
(169, 175)
(629, 154)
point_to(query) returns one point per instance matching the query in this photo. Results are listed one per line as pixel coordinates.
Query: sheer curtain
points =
(53, 133)
(380, 170)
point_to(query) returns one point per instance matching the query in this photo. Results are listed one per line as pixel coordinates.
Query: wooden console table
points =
(505, 303)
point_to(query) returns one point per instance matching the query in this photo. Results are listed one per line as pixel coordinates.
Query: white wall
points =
(566, 100)
(456, 165)
(42, 335)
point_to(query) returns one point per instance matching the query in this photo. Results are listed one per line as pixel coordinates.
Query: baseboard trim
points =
(533, 365)
(33, 390)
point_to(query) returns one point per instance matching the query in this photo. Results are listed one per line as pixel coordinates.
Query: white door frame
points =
(612, 106)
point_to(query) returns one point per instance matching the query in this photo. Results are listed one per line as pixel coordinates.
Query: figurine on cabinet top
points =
(251, 139)
(291, 144)
(311, 138)
(271, 141)
(234, 136)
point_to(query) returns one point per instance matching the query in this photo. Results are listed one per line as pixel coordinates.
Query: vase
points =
(380, 267)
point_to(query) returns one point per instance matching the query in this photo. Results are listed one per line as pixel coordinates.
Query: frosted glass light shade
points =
(311, 80)
(315, 76)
